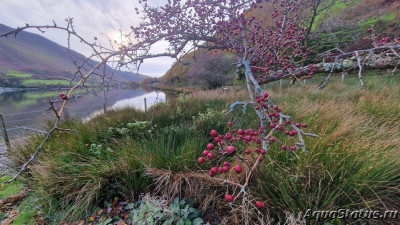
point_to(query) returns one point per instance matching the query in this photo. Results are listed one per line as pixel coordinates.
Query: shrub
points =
(151, 210)
(212, 70)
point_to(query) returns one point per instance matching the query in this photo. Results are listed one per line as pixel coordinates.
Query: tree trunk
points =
(347, 64)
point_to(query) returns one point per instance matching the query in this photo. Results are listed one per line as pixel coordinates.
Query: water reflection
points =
(151, 99)
(28, 108)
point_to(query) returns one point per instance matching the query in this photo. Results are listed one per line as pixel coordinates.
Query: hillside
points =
(45, 60)
(345, 22)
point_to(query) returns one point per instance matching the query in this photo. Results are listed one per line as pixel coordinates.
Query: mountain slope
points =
(32, 53)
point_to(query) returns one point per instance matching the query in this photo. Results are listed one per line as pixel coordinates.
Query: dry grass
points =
(231, 94)
(204, 189)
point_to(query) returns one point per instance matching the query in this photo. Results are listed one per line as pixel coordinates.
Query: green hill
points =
(45, 61)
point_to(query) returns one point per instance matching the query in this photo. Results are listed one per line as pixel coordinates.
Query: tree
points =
(146, 81)
(212, 70)
(266, 52)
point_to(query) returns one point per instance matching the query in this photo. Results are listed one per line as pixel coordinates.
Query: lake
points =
(29, 107)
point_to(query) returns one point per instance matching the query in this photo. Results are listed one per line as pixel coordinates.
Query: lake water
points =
(29, 108)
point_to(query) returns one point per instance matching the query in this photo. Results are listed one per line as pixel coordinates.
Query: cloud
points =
(92, 18)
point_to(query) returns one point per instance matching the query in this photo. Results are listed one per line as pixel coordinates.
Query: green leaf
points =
(164, 217)
(150, 220)
(185, 213)
(130, 206)
(188, 222)
(169, 221)
(107, 221)
(176, 201)
(198, 221)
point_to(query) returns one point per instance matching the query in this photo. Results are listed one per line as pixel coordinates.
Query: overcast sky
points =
(91, 18)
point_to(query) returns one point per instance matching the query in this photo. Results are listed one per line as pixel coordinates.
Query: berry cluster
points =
(247, 146)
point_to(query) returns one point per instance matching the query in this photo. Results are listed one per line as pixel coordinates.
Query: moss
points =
(25, 217)
(8, 190)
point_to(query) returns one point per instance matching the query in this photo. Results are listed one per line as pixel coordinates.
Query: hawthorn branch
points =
(386, 62)
(360, 68)
(329, 75)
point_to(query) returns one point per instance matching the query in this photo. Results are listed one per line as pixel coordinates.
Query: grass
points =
(18, 74)
(25, 215)
(381, 22)
(8, 190)
(333, 11)
(35, 82)
(352, 164)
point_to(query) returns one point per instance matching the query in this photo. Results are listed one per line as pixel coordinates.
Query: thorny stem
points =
(251, 81)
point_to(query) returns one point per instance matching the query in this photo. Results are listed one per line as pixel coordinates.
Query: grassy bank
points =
(353, 163)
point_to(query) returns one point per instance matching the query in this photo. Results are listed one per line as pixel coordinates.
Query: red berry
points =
(228, 136)
(231, 150)
(202, 160)
(257, 150)
(247, 151)
(229, 198)
(240, 132)
(61, 95)
(304, 125)
(284, 147)
(229, 124)
(272, 125)
(210, 156)
(260, 158)
(214, 170)
(293, 148)
(272, 139)
(297, 124)
(238, 169)
(214, 133)
(265, 95)
(217, 139)
(210, 146)
(205, 152)
(260, 205)
(227, 164)
(226, 168)
(220, 170)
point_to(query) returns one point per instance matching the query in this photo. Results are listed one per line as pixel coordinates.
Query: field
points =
(36, 82)
(353, 164)
(18, 74)
(13, 78)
